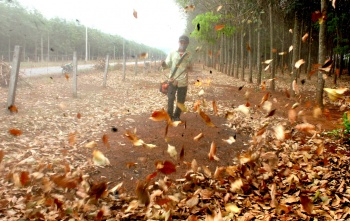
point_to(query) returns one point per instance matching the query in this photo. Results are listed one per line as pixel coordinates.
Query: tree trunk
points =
(296, 41)
(250, 55)
(242, 54)
(272, 53)
(236, 55)
(321, 55)
(258, 49)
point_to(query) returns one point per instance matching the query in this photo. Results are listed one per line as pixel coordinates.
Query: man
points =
(179, 80)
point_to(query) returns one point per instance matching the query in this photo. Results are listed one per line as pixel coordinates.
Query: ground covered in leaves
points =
(241, 152)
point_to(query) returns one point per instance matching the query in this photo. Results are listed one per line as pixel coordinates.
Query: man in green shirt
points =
(179, 81)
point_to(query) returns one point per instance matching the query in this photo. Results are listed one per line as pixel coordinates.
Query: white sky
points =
(159, 23)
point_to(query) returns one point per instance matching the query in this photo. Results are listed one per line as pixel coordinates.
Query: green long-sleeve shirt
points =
(181, 74)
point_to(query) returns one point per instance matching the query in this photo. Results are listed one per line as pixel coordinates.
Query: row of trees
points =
(237, 35)
(56, 39)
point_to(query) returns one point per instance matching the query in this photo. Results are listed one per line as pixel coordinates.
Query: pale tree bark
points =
(258, 51)
(272, 53)
(236, 55)
(242, 54)
(321, 55)
(250, 55)
(296, 42)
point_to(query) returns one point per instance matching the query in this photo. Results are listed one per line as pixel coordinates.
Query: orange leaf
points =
(212, 152)
(307, 204)
(274, 50)
(196, 105)
(134, 13)
(65, 182)
(2, 154)
(130, 164)
(71, 138)
(13, 108)
(215, 108)
(67, 76)
(166, 167)
(98, 190)
(206, 118)
(143, 55)
(320, 149)
(24, 178)
(248, 47)
(306, 127)
(219, 27)
(292, 116)
(151, 176)
(105, 140)
(160, 115)
(15, 132)
(266, 96)
(133, 138)
(304, 38)
(263, 85)
(78, 115)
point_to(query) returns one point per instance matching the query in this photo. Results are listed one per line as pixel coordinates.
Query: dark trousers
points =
(181, 97)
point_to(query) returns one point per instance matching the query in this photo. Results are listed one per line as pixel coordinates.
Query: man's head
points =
(183, 43)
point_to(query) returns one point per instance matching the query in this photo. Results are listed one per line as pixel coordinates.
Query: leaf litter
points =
(287, 172)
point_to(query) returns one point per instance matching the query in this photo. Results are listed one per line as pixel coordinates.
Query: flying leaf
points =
(299, 63)
(199, 136)
(215, 108)
(2, 154)
(306, 127)
(66, 76)
(304, 38)
(219, 27)
(133, 138)
(232, 208)
(286, 92)
(219, 8)
(98, 190)
(99, 159)
(65, 182)
(320, 149)
(333, 3)
(196, 105)
(199, 47)
(236, 185)
(248, 47)
(189, 8)
(317, 112)
(282, 53)
(24, 178)
(271, 113)
(201, 92)
(15, 132)
(291, 31)
(12, 108)
(230, 140)
(182, 153)
(243, 109)
(290, 48)
(182, 106)
(327, 66)
(91, 144)
(212, 152)
(292, 115)
(134, 13)
(267, 61)
(165, 167)
(142, 192)
(264, 98)
(160, 116)
(78, 115)
(172, 151)
(105, 140)
(206, 118)
(335, 94)
(143, 55)
(71, 138)
(279, 132)
(295, 87)
(130, 164)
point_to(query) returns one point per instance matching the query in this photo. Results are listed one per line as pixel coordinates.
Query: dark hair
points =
(184, 38)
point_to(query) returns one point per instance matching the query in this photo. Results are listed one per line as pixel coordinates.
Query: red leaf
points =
(105, 140)
(151, 176)
(15, 132)
(166, 167)
(78, 115)
(24, 178)
(307, 204)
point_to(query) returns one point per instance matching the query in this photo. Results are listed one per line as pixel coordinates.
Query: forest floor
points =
(48, 149)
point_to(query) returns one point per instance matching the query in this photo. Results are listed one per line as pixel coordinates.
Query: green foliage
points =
(342, 132)
(346, 124)
(206, 23)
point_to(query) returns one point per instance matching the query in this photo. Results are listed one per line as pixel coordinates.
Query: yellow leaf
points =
(99, 159)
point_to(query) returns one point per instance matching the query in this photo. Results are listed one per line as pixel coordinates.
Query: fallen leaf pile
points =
(289, 170)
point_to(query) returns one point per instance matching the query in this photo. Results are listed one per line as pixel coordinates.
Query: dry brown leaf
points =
(189, 8)
(143, 55)
(165, 167)
(198, 137)
(264, 98)
(193, 201)
(236, 185)
(66, 76)
(142, 192)
(133, 138)
(130, 164)
(306, 127)
(134, 13)
(335, 94)
(13, 109)
(219, 8)
(99, 159)
(320, 149)
(206, 118)
(172, 151)
(295, 87)
(71, 138)
(212, 152)
(2, 154)
(105, 140)
(317, 112)
(182, 152)
(78, 115)
(215, 108)
(98, 190)
(307, 204)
